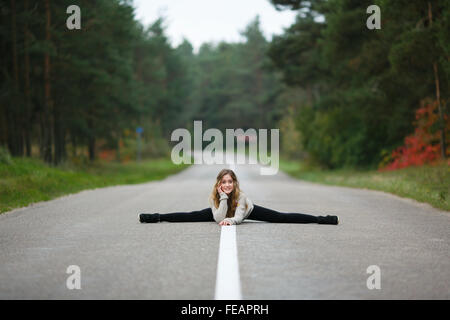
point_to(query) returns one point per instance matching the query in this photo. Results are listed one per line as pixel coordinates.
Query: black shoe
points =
(328, 220)
(149, 217)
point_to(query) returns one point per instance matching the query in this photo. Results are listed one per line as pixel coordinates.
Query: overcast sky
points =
(212, 20)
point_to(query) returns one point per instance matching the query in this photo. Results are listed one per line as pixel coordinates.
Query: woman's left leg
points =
(269, 215)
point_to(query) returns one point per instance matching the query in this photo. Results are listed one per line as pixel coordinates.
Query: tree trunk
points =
(59, 137)
(441, 113)
(14, 134)
(91, 140)
(47, 134)
(438, 93)
(28, 124)
(73, 140)
(91, 148)
(118, 156)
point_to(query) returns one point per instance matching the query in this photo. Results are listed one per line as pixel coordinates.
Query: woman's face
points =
(227, 184)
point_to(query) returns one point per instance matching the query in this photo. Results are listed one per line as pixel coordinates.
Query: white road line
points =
(228, 285)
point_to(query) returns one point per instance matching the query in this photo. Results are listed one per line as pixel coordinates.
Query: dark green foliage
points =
(106, 79)
(354, 91)
(114, 75)
(364, 85)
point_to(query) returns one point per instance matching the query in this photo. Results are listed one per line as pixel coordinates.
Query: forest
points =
(342, 95)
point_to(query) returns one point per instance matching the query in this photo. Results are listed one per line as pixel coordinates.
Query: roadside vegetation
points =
(27, 180)
(426, 183)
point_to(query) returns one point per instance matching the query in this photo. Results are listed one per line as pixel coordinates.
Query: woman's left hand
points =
(224, 223)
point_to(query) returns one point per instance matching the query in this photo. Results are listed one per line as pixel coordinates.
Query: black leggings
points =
(258, 213)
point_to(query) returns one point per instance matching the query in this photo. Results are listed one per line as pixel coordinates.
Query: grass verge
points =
(430, 184)
(24, 181)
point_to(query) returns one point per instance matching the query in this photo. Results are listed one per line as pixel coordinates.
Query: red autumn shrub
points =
(423, 146)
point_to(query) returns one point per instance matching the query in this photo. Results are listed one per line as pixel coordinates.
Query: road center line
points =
(228, 286)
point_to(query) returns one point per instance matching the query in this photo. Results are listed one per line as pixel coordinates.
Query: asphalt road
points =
(120, 258)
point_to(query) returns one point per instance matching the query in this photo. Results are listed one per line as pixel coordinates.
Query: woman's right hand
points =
(219, 189)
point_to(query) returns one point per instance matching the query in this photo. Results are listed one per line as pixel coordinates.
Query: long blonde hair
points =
(233, 197)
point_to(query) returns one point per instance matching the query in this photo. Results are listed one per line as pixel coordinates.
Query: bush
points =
(423, 146)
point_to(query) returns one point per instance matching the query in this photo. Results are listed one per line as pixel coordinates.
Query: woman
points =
(229, 205)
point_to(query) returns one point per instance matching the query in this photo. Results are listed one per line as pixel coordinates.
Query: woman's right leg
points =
(204, 215)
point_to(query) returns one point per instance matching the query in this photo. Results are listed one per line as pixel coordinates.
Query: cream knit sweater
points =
(243, 210)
